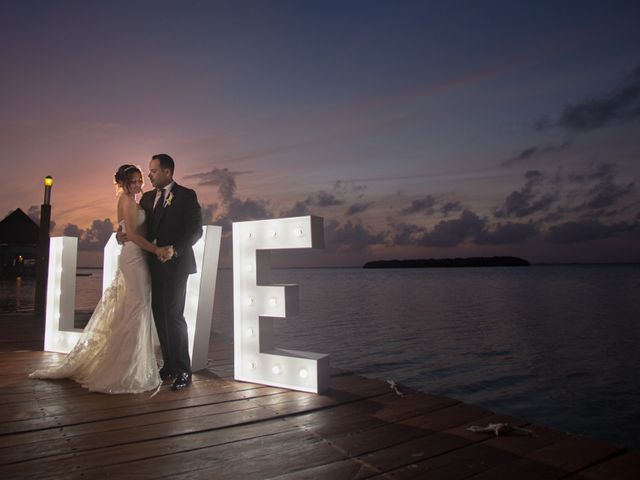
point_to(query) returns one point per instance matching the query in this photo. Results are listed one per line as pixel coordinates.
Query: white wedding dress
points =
(115, 352)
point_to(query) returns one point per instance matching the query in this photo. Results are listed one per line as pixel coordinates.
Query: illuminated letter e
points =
(256, 303)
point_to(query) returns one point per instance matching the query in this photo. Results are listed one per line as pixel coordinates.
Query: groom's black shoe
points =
(182, 381)
(166, 374)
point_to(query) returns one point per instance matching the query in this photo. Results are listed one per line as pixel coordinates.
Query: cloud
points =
(586, 230)
(347, 187)
(446, 233)
(407, 234)
(621, 104)
(587, 194)
(605, 193)
(531, 152)
(449, 233)
(598, 189)
(527, 200)
(93, 238)
(323, 199)
(351, 236)
(424, 205)
(208, 212)
(474, 229)
(469, 227)
(240, 210)
(72, 230)
(222, 178)
(299, 209)
(428, 204)
(231, 208)
(320, 199)
(450, 207)
(507, 233)
(34, 214)
(358, 208)
(596, 171)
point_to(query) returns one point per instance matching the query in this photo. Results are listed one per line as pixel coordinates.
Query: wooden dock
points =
(222, 429)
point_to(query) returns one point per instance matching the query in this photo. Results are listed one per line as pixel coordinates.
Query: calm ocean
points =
(556, 345)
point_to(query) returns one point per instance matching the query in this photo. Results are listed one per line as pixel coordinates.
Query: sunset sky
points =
(416, 129)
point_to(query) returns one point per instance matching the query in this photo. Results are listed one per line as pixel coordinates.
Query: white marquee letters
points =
(61, 336)
(256, 303)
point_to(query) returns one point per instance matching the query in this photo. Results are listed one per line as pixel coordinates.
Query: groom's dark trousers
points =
(168, 291)
(176, 221)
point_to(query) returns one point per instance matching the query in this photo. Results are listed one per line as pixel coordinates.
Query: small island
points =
(450, 262)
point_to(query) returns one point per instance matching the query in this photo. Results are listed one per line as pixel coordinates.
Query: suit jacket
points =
(179, 224)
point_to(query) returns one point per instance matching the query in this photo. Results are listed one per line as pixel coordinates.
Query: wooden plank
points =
(405, 453)
(368, 413)
(430, 439)
(411, 405)
(180, 440)
(473, 458)
(449, 417)
(522, 469)
(454, 465)
(157, 450)
(255, 458)
(567, 454)
(151, 426)
(347, 469)
(574, 453)
(523, 444)
(43, 443)
(625, 466)
(70, 412)
(358, 428)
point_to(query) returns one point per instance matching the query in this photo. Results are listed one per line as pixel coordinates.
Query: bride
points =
(115, 351)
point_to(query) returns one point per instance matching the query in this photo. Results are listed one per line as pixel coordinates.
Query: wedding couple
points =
(115, 352)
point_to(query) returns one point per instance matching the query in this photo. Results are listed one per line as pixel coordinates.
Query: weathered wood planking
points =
(219, 428)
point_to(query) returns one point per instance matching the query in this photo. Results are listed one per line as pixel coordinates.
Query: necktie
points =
(160, 202)
(157, 210)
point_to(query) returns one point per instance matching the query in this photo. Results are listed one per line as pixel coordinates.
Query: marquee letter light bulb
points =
(61, 336)
(256, 359)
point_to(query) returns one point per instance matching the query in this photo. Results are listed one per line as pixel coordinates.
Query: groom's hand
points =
(165, 254)
(169, 253)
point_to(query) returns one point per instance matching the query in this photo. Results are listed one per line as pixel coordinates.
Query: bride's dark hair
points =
(125, 174)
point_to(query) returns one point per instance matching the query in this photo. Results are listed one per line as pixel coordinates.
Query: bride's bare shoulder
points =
(121, 199)
(125, 202)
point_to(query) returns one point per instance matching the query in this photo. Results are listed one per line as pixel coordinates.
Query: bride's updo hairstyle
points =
(124, 176)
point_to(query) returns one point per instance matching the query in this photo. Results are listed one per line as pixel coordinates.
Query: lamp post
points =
(42, 263)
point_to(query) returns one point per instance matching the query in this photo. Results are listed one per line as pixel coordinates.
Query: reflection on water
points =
(18, 295)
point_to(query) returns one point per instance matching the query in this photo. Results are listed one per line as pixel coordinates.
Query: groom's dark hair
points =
(165, 161)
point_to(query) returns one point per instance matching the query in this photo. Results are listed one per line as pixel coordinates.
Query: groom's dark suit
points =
(176, 221)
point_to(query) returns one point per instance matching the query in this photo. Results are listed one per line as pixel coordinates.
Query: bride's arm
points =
(129, 210)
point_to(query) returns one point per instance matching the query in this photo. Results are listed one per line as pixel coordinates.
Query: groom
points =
(173, 218)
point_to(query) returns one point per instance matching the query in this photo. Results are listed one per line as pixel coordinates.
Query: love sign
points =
(256, 302)
(60, 334)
